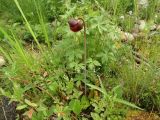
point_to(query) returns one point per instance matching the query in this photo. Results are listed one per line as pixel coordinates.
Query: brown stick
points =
(85, 54)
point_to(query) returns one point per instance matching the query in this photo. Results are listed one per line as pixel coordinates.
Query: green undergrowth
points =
(44, 72)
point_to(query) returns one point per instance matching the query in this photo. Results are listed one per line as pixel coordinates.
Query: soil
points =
(140, 115)
(9, 108)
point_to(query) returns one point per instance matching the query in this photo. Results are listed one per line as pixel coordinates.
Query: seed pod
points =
(75, 25)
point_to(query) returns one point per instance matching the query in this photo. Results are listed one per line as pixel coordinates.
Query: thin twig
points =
(4, 112)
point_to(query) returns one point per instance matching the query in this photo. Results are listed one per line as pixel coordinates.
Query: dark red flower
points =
(75, 25)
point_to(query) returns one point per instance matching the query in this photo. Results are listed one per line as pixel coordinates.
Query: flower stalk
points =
(76, 25)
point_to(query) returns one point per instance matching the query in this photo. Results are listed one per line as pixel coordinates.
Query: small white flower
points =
(122, 17)
(142, 25)
(143, 3)
(129, 36)
(156, 16)
(2, 61)
(130, 12)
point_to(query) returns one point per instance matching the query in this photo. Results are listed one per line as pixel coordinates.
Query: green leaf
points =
(20, 107)
(127, 103)
(95, 116)
(84, 102)
(51, 110)
(96, 63)
(53, 87)
(97, 88)
(30, 103)
(2, 92)
(75, 106)
(69, 87)
(117, 91)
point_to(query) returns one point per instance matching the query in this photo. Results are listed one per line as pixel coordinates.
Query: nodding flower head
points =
(75, 24)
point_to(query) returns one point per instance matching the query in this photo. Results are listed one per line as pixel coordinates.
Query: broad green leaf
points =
(75, 106)
(53, 87)
(84, 102)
